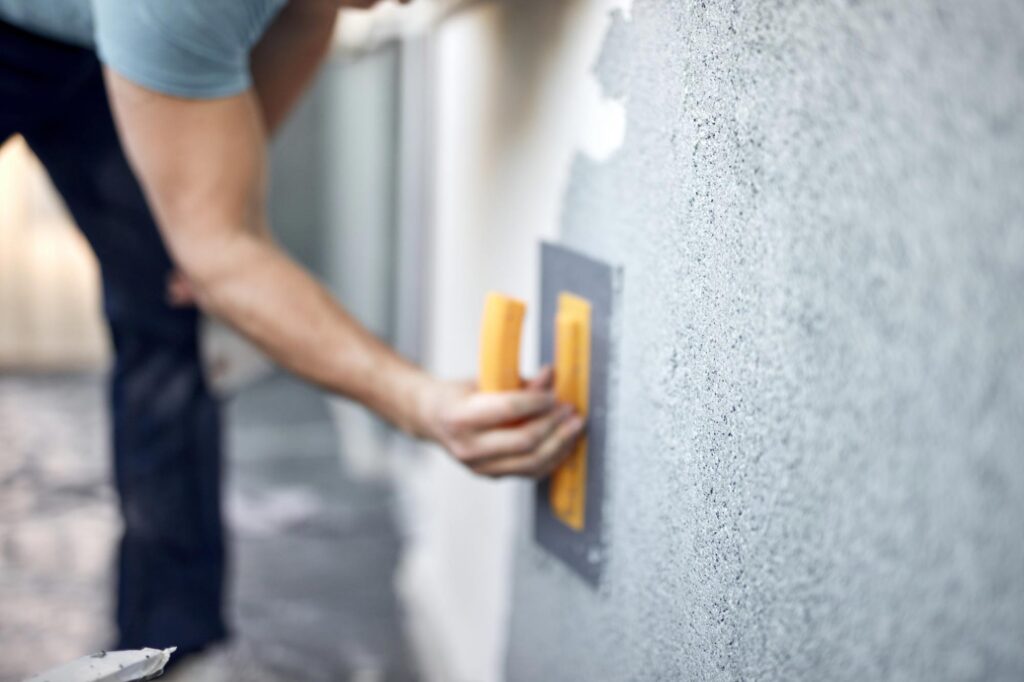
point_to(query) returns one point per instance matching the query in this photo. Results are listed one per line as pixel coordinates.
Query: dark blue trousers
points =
(166, 423)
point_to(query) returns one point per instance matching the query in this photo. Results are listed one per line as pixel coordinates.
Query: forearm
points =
(202, 164)
(258, 289)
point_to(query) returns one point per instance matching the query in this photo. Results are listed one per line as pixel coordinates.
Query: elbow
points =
(212, 247)
(206, 261)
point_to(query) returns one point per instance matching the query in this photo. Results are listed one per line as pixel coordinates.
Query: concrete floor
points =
(313, 551)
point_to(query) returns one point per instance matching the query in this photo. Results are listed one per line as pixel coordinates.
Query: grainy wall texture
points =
(816, 468)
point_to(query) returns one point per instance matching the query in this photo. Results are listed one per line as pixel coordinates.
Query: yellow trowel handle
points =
(499, 343)
(568, 492)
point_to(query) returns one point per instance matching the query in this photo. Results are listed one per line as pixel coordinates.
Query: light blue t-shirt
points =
(187, 48)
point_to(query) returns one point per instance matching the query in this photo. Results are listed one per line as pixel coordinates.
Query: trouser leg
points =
(166, 422)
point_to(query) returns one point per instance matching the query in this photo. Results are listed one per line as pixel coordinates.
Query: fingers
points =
(487, 410)
(513, 441)
(543, 460)
(511, 433)
(179, 291)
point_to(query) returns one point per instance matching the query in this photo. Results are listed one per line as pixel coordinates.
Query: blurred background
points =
(816, 464)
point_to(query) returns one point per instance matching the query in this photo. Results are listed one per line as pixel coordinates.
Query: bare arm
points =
(202, 165)
(289, 54)
(285, 59)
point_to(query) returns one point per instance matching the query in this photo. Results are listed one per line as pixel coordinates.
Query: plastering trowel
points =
(110, 666)
(577, 296)
(577, 299)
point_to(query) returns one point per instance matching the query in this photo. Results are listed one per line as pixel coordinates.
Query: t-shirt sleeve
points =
(197, 49)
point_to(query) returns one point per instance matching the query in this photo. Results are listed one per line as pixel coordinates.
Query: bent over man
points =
(152, 118)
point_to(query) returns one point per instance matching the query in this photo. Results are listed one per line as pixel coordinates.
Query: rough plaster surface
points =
(817, 461)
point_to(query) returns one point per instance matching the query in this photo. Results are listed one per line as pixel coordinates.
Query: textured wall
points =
(817, 470)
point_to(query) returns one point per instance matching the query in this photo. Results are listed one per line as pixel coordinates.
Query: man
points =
(152, 118)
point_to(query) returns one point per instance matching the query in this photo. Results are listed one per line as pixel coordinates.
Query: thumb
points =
(542, 381)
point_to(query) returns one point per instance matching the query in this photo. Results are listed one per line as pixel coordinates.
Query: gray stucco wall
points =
(817, 462)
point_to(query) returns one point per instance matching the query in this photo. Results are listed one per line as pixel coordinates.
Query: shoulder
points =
(186, 48)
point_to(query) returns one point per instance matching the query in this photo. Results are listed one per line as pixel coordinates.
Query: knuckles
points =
(524, 442)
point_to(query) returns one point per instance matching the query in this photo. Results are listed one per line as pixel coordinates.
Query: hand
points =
(180, 293)
(512, 433)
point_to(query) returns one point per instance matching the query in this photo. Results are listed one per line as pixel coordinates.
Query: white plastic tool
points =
(110, 666)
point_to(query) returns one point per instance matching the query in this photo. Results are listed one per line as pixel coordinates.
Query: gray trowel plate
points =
(564, 270)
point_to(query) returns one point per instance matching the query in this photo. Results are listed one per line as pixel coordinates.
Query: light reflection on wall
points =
(50, 316)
